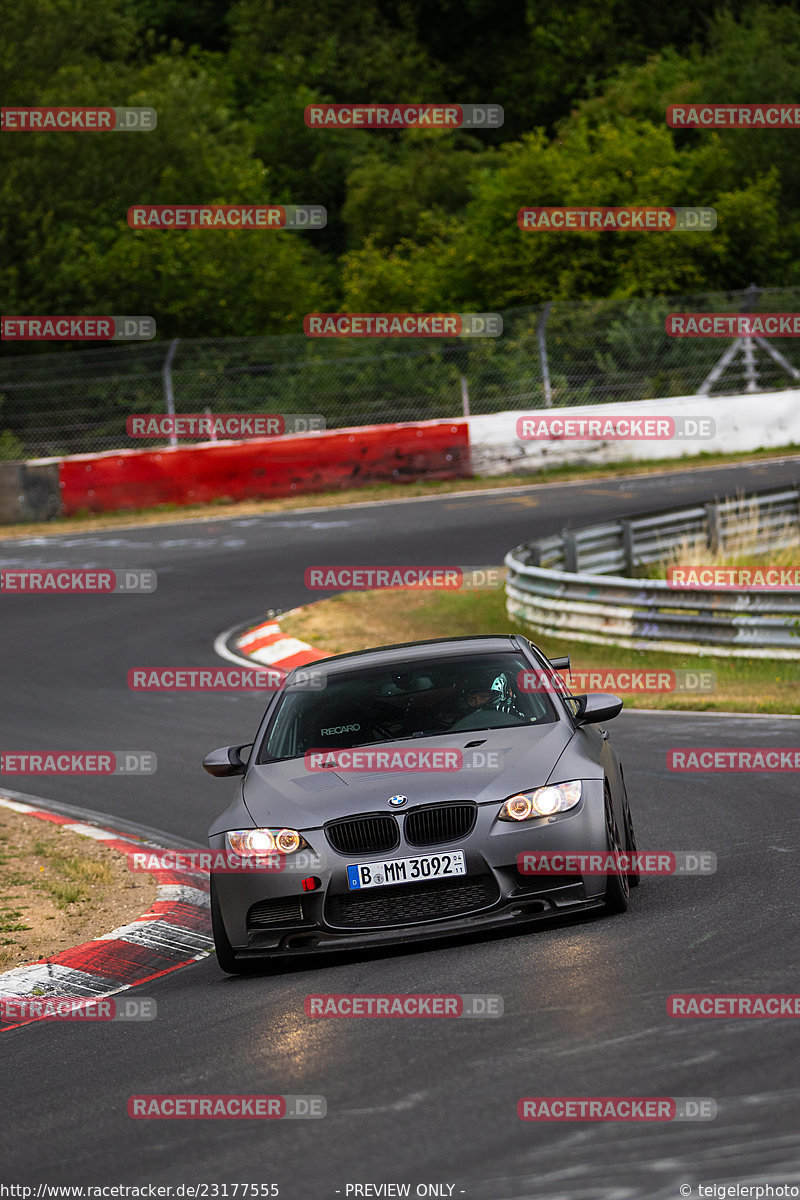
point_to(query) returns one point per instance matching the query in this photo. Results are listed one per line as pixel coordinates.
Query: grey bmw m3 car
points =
(410, 792)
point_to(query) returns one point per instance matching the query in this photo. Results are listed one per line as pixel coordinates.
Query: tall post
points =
(750, 371)
(168, 393)
(548, 394)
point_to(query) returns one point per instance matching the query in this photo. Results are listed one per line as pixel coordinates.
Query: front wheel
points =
(634, 877)
(618, 888)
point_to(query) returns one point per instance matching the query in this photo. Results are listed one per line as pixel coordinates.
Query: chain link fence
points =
(563, 353)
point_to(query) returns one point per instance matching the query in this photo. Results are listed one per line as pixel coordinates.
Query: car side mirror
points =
(227, 760)
(596, 707)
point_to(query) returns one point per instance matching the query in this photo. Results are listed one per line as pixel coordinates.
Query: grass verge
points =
(60, 889)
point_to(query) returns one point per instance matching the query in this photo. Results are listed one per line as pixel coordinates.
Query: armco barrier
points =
(29, 492)
(548, 592)
(264, 467)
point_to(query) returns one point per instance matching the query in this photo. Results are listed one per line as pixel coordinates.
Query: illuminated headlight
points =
(542, 802)
(264, 841)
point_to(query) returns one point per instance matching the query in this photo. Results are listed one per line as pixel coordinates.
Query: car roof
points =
(405, 653)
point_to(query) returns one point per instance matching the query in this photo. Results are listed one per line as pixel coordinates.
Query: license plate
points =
(406, 870)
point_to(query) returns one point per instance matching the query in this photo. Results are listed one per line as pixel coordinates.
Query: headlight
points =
(264, 841)
(542, 802)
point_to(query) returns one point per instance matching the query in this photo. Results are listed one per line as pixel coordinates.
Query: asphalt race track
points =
(409, 1101)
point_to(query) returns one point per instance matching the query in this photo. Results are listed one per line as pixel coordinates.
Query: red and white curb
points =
(175, 931)
(268, 644)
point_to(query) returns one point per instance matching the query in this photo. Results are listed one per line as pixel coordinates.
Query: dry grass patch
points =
(748, 544)
(357, 620)
(60, 889)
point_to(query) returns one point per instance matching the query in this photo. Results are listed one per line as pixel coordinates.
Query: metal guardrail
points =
(566, 585)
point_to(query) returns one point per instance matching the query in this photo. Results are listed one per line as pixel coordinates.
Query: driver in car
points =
(490, 691)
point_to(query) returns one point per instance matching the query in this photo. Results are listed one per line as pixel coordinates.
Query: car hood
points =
(287, 793)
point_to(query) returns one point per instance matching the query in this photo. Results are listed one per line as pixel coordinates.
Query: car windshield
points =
(388, 703)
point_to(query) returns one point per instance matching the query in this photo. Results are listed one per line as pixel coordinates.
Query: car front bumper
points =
(270, 914)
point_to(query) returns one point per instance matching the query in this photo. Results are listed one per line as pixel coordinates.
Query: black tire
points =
(634, 878)
(618, 888)
(226, 956)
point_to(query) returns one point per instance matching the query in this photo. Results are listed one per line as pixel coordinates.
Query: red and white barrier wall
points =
(347, 458)
(264, 467)
(745, 422)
